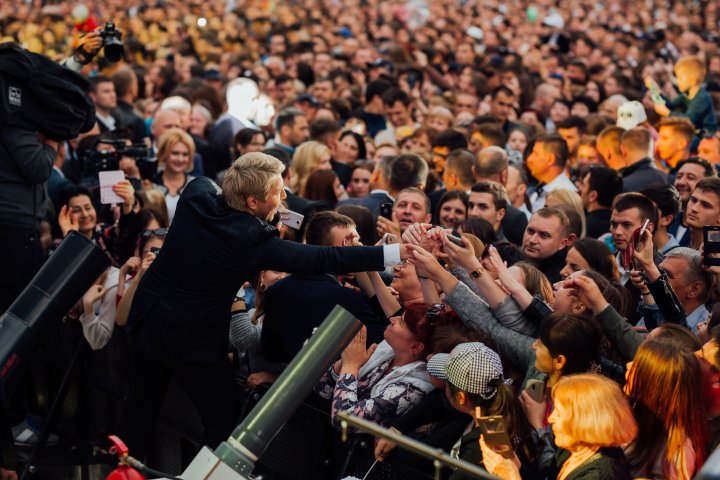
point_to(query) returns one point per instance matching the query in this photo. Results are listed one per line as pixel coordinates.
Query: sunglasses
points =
(433, 313)
(158, 232)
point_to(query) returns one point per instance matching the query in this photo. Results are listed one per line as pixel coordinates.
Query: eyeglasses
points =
(158, 232)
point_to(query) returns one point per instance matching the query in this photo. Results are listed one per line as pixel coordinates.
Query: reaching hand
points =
(92, 42)
(387, 226)
(643, 254)
(496, 464)
(94, 294)
(125, 189)
(356, 354)
(425, 262)
(416, 233)
(463, 256)
(534, 411)
(587, 292)
(383, 448)
(67, 220)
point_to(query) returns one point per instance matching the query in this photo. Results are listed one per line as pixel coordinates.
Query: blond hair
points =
(571, 198)
(252, 174)
(169, 139)
(693, 65)
(305, 161)
(598, 413)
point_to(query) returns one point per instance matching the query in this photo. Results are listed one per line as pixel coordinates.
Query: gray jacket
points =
(25, 166)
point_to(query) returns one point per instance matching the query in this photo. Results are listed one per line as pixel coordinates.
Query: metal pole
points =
(413, 445)
(250, 439)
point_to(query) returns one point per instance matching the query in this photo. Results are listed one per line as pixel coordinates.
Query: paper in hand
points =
(107, 180)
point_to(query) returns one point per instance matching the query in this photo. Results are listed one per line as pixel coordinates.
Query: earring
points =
(262, 286)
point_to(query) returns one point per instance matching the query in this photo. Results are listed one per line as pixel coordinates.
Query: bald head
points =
(491, 164)
(164, 120)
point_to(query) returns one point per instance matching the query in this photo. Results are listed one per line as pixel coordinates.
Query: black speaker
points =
(61, 282)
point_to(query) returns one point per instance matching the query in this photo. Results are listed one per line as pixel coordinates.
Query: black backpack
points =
(41, 95)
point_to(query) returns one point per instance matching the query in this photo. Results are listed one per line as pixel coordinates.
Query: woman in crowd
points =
(518, 139)
(325, 186)
(350, 148)
(309, 157)
(150, 241)
(200, 121)
(384, 381)
(360, 180)
(663, 383)
(592, 421)
(248, 140)
(452, 209)
(176, 151)
(78, 213)
(590, 254)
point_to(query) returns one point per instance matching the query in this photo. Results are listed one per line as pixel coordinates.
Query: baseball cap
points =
(473, 368)
(311, 99)
(630, 115)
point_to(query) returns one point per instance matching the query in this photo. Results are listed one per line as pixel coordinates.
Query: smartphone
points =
(633, 244)
(711, 239)
(155, 250)
(494, 432)
(655, 94)
(389, 238)
(456, 240)
(536, 389)
(386, 210)
(292, 219)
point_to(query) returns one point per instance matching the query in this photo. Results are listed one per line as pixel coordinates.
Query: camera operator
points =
(26, 160)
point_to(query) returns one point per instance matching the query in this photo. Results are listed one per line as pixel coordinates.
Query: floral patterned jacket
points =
(378, 394)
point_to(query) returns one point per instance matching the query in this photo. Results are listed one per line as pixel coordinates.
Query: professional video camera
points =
(94, 160)
(112, 42)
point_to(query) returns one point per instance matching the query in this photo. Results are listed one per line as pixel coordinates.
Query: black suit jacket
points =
(130, 120)
(297, 304)
(372, 202)
(514, 224)
(181, 310)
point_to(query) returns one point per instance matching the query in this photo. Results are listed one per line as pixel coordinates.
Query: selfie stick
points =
(235, 458)
(437, 455)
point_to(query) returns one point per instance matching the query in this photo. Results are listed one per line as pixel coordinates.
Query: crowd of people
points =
(542, 179)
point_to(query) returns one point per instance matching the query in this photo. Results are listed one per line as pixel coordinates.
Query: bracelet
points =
(645, 293)
(423, 278)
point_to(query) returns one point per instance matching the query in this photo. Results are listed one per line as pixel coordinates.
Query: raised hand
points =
(67, 220)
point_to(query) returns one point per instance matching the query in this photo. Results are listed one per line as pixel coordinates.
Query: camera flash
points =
(202, 21)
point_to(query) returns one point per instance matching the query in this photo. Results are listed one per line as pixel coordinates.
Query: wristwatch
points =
(477, 273)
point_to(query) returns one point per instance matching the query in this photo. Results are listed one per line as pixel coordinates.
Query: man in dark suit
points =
(180, 316)
(126, 89)
(297, 304)
(379, 188)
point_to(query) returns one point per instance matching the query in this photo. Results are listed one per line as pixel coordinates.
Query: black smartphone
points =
(386, 210)
(494, 432)
(155, 250)
(711, 240)
(456, 239)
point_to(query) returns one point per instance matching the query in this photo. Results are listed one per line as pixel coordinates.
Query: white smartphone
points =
(292, 219)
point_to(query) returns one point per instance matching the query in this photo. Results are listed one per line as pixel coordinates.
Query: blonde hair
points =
(571, 198)
(155, 200)
(169, 139)
(305, 161)
(477, 244)
(251, 174)
(598, 413)
(693, 65)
